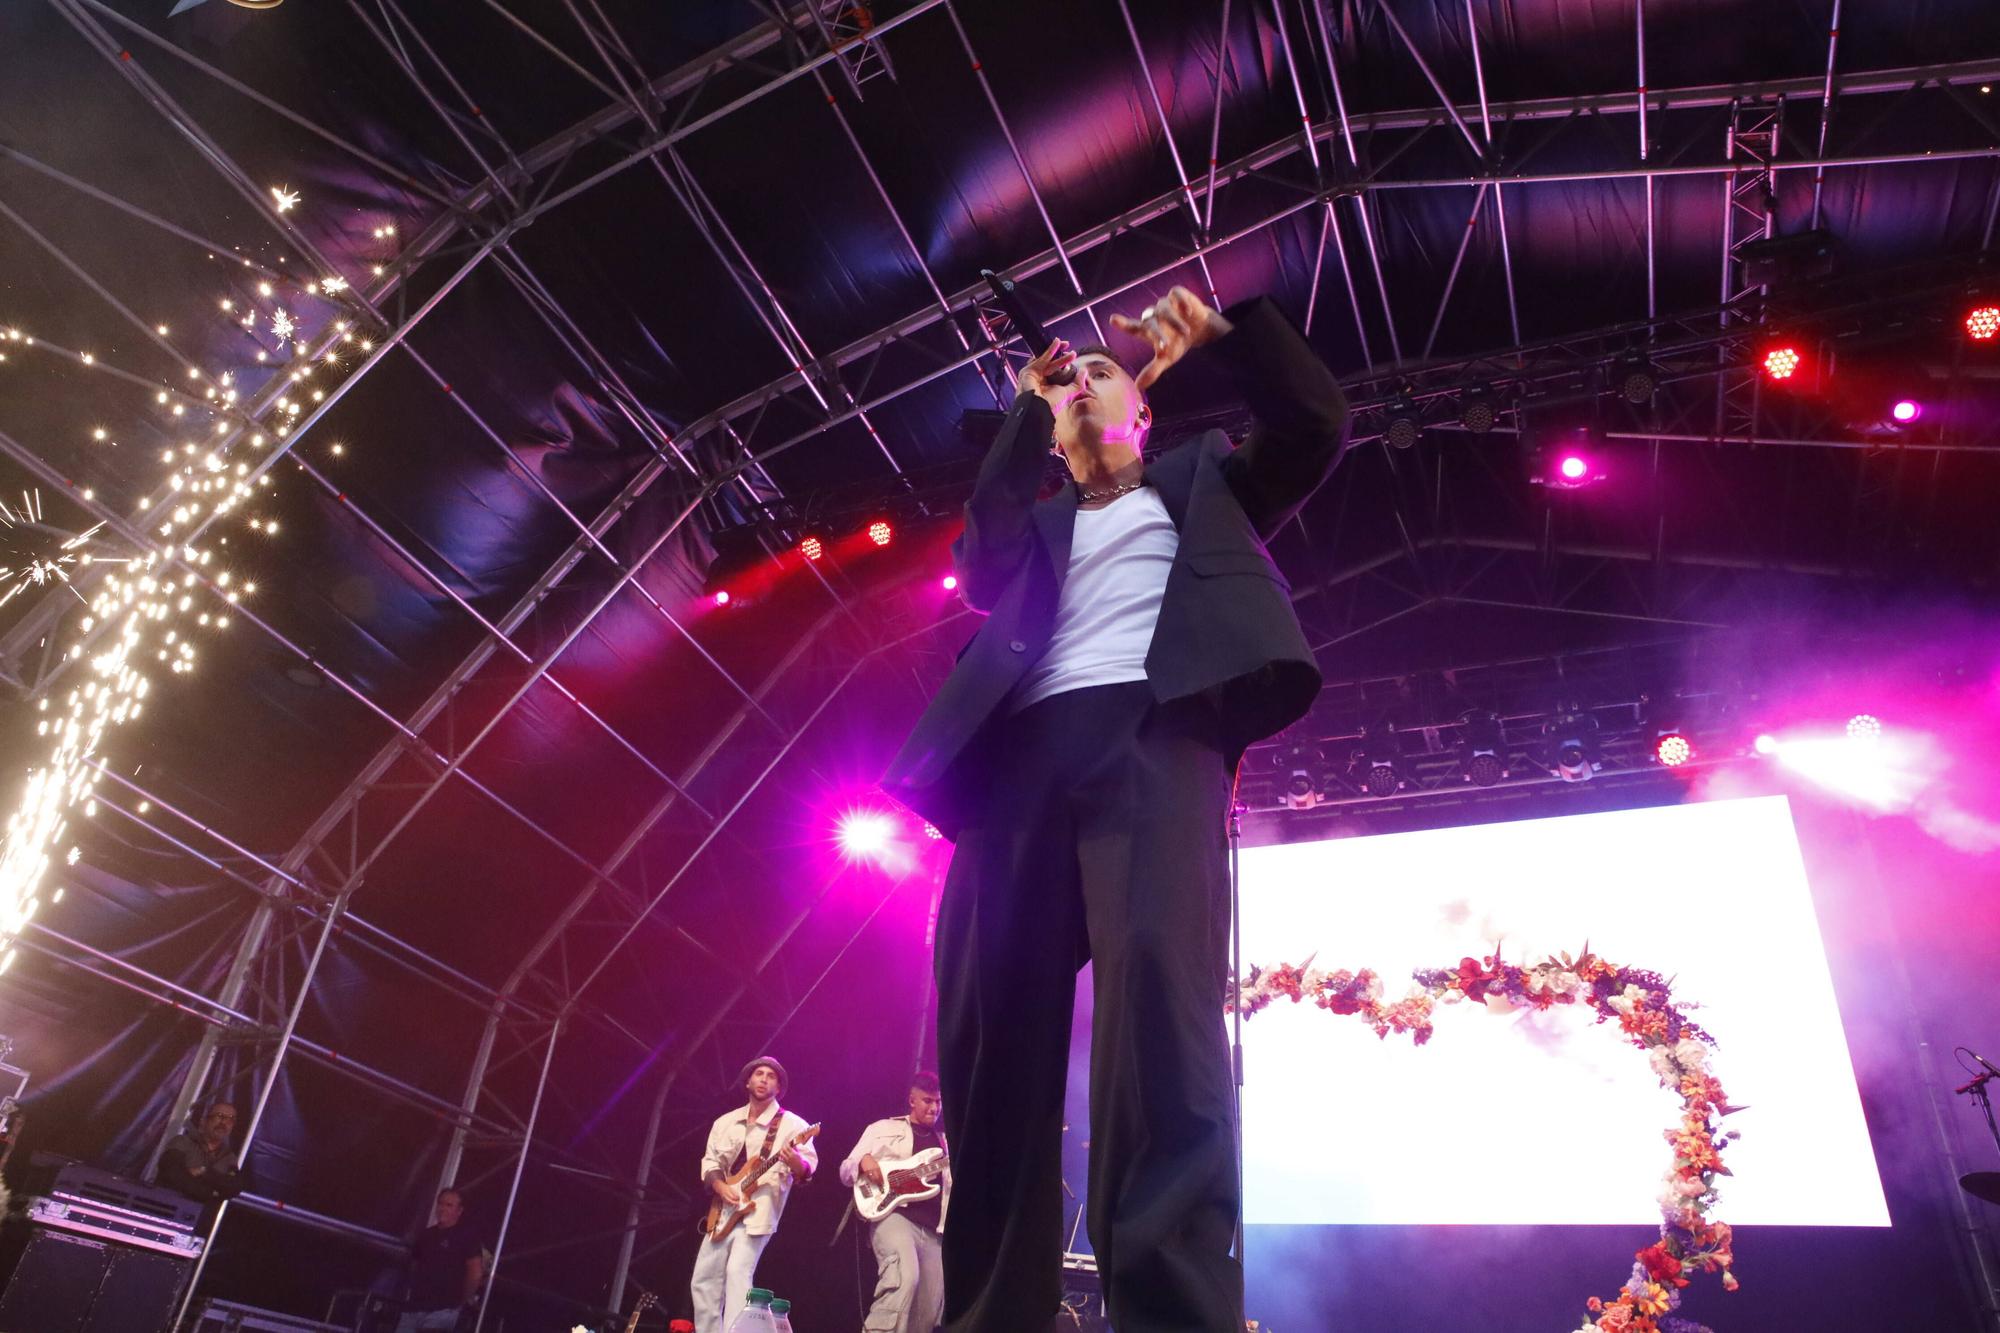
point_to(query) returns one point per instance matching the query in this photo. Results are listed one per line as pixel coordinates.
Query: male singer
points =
(1137, 638)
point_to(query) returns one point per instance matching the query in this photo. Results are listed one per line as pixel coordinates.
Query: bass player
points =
(725, 1268)
(909, 1282)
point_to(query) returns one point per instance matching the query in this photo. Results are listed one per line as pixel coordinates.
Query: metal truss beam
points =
(750, 407)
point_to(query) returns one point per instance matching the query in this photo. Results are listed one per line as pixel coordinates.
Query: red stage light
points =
(1673, 750)
(1782, 362)
(880, 532)
(1906, 410)
(812, 548)
(722, 597)
(1982, 323)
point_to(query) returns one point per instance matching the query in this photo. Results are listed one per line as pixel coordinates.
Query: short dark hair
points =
(451, 1190)
(925, 1081)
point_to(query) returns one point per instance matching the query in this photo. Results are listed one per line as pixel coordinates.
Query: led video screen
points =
(1545, 1117)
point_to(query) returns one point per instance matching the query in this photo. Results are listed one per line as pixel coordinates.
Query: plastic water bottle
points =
(781, 1316)
(755, 1316)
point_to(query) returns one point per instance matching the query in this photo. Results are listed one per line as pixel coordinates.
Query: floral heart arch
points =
(1642, 1005)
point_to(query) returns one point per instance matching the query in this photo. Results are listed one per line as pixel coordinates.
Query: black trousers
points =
(1102, 839)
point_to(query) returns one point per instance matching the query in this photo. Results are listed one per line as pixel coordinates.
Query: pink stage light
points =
(722, 597)
(880, 532)
(1864, 728)
(932, 831)
(812, 548)
(949, 582)
(1982, 323)
(1766, 744)
(865, 834)
(1782, 362)
(1574, 467)
(1906, 410)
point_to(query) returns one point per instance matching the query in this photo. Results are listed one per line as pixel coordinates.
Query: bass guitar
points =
(723, 1217)
(905, 1181)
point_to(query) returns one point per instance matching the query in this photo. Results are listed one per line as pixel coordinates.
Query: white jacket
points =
(889, 1140)
(725, 1146)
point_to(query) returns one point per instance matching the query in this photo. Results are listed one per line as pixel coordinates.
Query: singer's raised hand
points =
(1173, 326)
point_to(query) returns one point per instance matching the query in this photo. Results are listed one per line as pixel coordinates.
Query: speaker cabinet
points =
(52, 1280)
(56, 1282)
(139, 1293)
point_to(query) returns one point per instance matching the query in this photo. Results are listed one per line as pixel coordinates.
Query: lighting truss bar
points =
(1259, 161)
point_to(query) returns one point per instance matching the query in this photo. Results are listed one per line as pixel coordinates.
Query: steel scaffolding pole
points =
(1021, 165)
(1197, 227)
(1580, 110)
(553, 934)
(1826, 108)
(1360, 200)
(520, 1167)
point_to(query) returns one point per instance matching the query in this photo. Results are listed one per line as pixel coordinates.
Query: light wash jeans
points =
(724, 1272)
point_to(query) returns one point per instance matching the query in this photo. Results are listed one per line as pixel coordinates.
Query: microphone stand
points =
(1984, 1099)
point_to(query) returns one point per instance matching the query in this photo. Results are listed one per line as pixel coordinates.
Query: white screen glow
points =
(1546, 1118)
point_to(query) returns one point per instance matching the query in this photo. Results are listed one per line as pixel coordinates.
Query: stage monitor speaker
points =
(139, 1293)
(52, 1280)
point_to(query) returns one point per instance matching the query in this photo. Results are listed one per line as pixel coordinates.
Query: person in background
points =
(447, 1268)
(202, 1165)
(909, 1260)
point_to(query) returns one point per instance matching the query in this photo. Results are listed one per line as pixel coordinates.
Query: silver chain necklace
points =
(1088, 496)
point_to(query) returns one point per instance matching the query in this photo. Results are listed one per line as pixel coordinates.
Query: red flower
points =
(1661, 1265)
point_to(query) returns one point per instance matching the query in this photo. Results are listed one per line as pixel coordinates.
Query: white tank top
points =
(1119, 559)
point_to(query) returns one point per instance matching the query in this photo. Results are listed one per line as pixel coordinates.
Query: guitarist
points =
(909, 1265)
(725, 1270)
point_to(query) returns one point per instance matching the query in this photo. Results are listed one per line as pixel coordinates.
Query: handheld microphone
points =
(1008, 297)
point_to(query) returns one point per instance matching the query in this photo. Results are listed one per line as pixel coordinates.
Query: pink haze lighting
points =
(865, 834)
(1766, 744)
(1906, 410)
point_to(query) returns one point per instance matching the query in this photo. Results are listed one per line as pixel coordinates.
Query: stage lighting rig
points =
(1376, 766)
(1635, 378)
(1672, 749)
(1568, 462)
(1478, 409)
(1302, 789)
(1402, 423)
(1573, 736)
(1482, 748)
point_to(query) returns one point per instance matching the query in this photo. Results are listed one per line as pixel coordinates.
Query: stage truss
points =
(1331, 171)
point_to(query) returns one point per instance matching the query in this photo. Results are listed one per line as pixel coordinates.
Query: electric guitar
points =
(905, 1181)
(723, 1217)
(647, 1300)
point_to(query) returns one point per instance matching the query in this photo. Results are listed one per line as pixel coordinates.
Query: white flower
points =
(1628, 999)
(1568, 983)
(1662, 1061)
(1691, 1053)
